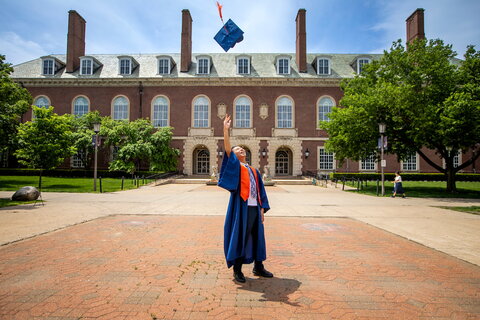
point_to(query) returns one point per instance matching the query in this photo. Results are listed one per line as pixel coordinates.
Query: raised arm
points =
(226, 135)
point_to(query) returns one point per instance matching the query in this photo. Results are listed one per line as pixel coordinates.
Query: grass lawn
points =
(426, 189)
(471, 209)
(50, 184)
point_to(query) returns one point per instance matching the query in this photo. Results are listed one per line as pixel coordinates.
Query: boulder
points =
(26, 194)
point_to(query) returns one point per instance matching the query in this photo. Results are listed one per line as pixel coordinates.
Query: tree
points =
(14, 102)
(83, 133)
(45, 142)
(426, 98)
(138, 141)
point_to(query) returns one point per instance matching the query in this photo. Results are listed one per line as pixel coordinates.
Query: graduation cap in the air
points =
(229, 35)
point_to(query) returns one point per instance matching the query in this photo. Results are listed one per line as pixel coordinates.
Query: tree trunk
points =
(40, 181)
(451, 183)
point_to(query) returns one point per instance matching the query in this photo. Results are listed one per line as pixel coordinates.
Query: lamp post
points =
(96, 129)
(381, 128)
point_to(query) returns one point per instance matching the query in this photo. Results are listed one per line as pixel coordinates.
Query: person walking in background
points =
(397, 185)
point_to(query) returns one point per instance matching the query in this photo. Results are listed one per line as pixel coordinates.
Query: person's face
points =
(240, 153)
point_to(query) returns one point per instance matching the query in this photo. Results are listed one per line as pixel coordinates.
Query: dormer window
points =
(86, 66)
(323, 66)
(360, 63)
(203, 65)
(125, 66)
(49, 67)
(243, 65)
(283, 65)
(163, 66)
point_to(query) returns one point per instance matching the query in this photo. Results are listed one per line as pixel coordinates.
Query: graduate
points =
(244, 237)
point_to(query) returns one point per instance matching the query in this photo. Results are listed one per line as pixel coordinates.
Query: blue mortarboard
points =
(229, 35)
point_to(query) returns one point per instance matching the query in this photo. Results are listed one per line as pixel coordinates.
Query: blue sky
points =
(31, 28)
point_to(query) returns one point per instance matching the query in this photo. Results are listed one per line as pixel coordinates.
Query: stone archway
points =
(201, 161)
(283, 162)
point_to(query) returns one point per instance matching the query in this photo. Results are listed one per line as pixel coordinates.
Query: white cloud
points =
(18, 50)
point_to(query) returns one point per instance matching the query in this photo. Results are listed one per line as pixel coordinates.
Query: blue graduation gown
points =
(236, 243)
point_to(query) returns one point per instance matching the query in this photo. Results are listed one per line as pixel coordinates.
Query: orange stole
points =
(245, 183)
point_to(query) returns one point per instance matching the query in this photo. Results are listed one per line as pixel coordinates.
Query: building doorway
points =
(201, 161)
(283, 162)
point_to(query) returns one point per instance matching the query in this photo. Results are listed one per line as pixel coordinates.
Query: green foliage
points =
(139, 141)
(72, 173)
(405, 176)
(83, 133)
(45, 142)
(425, 97)
(14, 102)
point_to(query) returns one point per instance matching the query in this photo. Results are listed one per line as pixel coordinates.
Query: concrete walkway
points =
(157, 253)
(454, 233)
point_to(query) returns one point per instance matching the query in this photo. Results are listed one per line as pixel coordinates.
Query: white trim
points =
(417, 164)
(329, 66)
(375, 165)
(276, 110)
(460, 160)
(169, 65)
(238, 64)
(130, 67)
(52, 61)
(73, 103)
(358, 62)
(209, 64)
(91, 66)
(113, 105)
(193, 110)
(334, 166)
(318, 108)
(235, 110)
(277, 63)
(152, 104)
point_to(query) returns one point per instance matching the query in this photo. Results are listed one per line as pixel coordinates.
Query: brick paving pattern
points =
(172, 267)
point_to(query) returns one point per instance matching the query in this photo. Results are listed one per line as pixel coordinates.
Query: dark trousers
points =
(251, 229)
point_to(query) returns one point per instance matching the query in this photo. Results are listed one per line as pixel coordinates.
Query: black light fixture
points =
(264, 153)
(220, 152)
(307, 153)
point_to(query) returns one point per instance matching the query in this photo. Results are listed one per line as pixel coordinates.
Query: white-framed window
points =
(163, 66)
(323, 66)
(326, 160)
(48, 67)
(120, 108)
(125, 66)
(410, 163)
(284, 113)
(283, 65)
(42, 102)
(324, 107)
(369, 163)
(160, 112)
(456, 159)
(80, 106)
(360, 63)
(201, 107)
(86, 66)
(77, 159)
(243, 112)
(243, 65)
(203, 65)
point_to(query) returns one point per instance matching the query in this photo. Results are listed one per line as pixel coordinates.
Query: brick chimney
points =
(75, 40)
(186, 47)
(415, 26)
(301, 42)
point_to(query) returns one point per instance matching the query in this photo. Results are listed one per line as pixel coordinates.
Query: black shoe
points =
(239, 277)
(262, 273)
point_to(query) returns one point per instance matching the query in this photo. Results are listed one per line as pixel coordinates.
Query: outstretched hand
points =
(227, 122)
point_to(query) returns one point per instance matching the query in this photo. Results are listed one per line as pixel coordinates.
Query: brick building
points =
(276, 100)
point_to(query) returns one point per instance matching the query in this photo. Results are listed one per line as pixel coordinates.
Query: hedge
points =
(405, 176)
(72, 173)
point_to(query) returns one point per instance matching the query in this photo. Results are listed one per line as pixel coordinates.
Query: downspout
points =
(140, 94)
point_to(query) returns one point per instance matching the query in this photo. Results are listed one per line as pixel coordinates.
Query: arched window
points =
(201, 161)
(42, 102)
(283, 162)
(325, 106)
(120, 108)
(284, 113)
(200, 112)
(80, 106)
(160, 112)
(242, 112)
